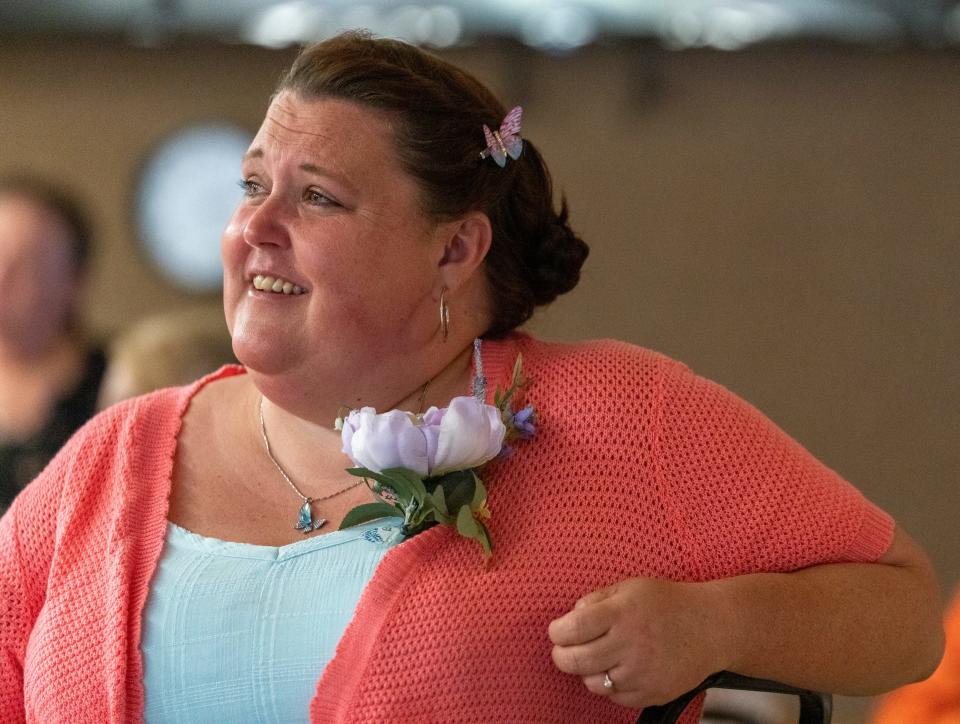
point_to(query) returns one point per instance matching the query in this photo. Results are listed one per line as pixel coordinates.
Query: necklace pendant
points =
(305, 520)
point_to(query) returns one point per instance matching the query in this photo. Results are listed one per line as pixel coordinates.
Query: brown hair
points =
(437, 111)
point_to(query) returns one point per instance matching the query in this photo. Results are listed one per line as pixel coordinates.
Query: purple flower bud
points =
(523, 422)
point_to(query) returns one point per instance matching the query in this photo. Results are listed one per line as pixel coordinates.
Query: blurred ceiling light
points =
(443, 27)
(684, 29)
(405, 23)
(952, 24)
(438, 26)
(728, 25)
(559, 28)
(290, 23)
(362, 17)
(285, 24)
(731, 28)
(548, 24)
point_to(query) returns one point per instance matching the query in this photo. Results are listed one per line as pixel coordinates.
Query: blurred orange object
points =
(936, 700)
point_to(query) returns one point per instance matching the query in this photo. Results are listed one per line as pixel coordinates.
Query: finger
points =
(586, 659)
(580, 626)
(594, 684)
(595, 596)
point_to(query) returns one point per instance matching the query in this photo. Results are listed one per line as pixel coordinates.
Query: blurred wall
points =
(784, 220)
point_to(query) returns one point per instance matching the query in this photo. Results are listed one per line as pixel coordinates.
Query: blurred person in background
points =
(49, 372)
(164, 350)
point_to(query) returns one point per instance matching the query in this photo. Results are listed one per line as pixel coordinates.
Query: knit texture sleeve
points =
(14, 618)
(27, 541)
(748, 497)
(64, 597)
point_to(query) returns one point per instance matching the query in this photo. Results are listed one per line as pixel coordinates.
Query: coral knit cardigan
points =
(640, 468)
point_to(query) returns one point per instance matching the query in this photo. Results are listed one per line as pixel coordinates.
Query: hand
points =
(656, 639)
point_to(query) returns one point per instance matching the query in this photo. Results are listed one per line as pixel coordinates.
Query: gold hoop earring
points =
(444, 314)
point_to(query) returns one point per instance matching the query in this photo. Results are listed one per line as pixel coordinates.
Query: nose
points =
(266, 224)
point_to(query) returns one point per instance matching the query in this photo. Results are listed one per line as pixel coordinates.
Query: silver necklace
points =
(305, 521)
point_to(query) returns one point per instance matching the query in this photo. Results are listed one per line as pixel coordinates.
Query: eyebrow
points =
(308, 167)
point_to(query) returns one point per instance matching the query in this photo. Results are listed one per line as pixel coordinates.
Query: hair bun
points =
(536, 256)
(555, 259)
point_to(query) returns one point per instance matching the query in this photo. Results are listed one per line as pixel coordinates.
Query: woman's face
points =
(329, 214)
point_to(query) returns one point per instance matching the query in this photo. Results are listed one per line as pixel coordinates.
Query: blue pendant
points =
(305, 520)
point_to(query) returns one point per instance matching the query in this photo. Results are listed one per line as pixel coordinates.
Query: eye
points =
(250, 188)
(318, 198)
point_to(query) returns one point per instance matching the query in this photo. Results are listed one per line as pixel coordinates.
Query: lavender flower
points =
(464, 435)
(524, 423)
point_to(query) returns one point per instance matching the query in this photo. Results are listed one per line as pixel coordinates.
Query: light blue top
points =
(234, 632)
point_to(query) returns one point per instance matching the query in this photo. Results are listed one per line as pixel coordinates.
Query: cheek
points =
(232, 245)
(49, 290)
(233, 248)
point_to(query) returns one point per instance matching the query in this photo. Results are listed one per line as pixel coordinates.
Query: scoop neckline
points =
(178, 535)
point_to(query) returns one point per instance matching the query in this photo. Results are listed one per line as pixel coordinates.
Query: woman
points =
(49, 374)
(630, 535)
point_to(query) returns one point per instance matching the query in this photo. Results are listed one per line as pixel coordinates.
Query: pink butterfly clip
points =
(506, 141)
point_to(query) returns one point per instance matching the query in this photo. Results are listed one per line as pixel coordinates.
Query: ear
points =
(466, 243)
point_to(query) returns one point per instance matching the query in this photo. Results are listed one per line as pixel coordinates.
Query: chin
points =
(260, 350)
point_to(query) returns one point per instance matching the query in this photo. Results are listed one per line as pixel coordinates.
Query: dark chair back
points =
(815, 707)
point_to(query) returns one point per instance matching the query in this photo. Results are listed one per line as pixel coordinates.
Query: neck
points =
(298, 439)
(393, 383)
(450, 381)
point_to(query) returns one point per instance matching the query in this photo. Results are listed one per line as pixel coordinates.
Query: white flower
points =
(464, 435)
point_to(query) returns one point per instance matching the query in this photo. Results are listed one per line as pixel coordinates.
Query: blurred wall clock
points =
(185, 194)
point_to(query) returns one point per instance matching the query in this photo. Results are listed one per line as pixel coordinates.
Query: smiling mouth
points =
(276, 285)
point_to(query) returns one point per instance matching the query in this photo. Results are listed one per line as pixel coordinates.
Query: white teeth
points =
(276, 285)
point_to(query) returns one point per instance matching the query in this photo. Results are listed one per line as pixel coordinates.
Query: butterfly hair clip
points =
(506, 141)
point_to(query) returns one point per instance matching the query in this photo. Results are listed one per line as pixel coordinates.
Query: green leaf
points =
(421, 512)
(505, 399)
(479, 493)
(467, 524)
(458, 487)
(400, 486)
(470, 527)
(367, 473)
(484, 538)
(502, 399)
(405, 483)
(409, 531)
(518, 371)
(410, 479)
(366, 512)
(440, 503)
(362, 473)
